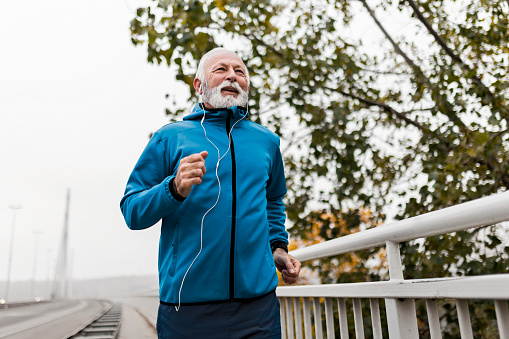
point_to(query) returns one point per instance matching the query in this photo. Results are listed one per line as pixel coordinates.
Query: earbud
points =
(200, 89)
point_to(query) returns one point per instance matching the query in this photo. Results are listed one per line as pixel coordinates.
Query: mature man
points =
(217, 182)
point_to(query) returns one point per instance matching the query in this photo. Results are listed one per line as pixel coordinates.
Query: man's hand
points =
(287, 265)
(190, 172)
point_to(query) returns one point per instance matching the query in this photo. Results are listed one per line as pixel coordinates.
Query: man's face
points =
(226, 81)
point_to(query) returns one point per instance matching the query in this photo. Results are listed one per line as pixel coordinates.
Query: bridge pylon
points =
(61, 282)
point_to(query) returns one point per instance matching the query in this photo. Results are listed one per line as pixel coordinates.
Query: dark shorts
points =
(254, 318)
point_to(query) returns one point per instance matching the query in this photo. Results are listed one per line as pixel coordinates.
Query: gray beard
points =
(214, 97)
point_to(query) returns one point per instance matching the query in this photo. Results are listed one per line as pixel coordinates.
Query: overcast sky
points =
(77, 103)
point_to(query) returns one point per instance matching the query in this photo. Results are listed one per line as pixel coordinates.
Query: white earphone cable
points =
(218, 194)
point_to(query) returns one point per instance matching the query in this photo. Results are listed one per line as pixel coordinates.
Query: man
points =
(217, 182)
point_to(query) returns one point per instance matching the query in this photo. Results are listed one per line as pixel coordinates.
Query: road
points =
(49, 320)
(59, 319)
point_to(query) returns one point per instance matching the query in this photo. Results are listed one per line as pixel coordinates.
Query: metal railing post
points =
(289, 318)
(329, 318)
(343, 323)
(376, 323)
(307, 318)
(298, 318)
(464, 319)
(433, 319)
(282, 312)
(401, 315)
(317, 312)
(502, 318)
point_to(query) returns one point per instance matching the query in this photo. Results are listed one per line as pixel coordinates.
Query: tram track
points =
(105, 326)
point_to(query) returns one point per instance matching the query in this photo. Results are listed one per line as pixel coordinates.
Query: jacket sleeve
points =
(147, 197)
(276, 190)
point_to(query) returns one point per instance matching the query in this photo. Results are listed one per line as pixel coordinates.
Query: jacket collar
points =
(236, 112)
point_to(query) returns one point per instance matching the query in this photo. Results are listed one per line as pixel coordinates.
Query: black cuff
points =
(278, 244)
(173, 190)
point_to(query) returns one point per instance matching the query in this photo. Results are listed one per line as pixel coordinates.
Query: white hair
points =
(200, 72)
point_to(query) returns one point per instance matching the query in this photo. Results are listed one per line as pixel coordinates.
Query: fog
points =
(77, 104)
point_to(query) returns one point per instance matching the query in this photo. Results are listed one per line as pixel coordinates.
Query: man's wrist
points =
(279, 244)
(173, 190)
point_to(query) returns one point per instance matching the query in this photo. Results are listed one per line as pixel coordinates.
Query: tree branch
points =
(446, 48)
(499, 133)
(386, 107)
(368, 102)
(261, 42)
(383, 106)
(420, 110)
(419, 73)
(386, 72)
(270, 109)
(391, 40)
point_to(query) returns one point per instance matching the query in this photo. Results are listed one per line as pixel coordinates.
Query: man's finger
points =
(193, 162)
(188, 183)
(288, 279)
(289, 273)
(193, 173)
(289, 265)
(296, 265)
(196, 157)
(189, 166)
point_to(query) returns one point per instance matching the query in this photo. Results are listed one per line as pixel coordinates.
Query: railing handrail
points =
(493, 286)
(476, 213)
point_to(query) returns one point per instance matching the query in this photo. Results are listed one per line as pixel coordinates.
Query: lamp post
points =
(14, 208)
(37, 233)
(48, 272)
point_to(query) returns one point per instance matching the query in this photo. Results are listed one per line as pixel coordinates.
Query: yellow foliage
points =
(349, 262)
(221, 5)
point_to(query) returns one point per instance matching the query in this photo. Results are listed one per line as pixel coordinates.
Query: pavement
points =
(139, 317)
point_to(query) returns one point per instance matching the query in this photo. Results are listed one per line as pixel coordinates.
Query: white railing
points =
(301, 306)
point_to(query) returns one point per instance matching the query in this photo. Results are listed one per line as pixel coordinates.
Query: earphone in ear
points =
(200, 90)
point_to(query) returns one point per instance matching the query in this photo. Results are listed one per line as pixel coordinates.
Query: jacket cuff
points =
(279, 244)
(173, 190)
(171, 198)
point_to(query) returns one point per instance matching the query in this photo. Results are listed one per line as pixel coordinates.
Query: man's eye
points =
(221, 69)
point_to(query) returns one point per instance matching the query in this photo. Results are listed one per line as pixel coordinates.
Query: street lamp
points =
(14, 208)
(37, 233)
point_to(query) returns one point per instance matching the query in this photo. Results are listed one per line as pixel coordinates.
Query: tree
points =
(420, 122)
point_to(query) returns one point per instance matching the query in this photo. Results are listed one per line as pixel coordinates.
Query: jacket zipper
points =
(234, 207)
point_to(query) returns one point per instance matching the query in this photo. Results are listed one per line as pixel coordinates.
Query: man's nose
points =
(231, 76)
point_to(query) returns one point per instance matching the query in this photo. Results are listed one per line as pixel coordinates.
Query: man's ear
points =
(198, 86)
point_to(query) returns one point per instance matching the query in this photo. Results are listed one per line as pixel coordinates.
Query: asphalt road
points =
(48, 320)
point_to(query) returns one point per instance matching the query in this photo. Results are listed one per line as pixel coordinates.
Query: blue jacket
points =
(236, 260)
